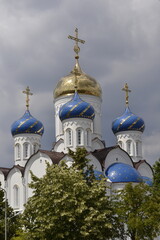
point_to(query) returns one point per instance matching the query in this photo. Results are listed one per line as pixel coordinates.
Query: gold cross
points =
(27, 92)
(77, 40)
(127, 90)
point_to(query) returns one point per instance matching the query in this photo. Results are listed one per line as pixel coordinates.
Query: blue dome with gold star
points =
(27, 124)
(128, 122)
(76, 108)
(122, 172)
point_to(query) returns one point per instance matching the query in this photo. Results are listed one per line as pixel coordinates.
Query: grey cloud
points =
(122, 45)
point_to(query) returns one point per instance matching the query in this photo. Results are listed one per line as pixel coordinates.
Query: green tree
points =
(66, 206)
(138, 211)
(156, 174)
(12, 220)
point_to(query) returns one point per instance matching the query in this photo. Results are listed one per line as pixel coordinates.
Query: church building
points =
(77, 104)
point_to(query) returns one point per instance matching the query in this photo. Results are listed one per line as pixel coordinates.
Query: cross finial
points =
(28, 93)
(77, 40)
(127, 90)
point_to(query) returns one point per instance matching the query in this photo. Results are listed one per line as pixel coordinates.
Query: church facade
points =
(77, 104)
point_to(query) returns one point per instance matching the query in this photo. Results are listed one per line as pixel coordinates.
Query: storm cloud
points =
(122, 45)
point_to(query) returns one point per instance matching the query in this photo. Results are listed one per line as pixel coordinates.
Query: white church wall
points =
(131, 142)
(117, 155)
(36, 164)
(97, 144)
(68, 160)
(119, 186)
(15, 189)
(59, 146)
(2, 180)
(93, 161)
(73, 140)
(24, 146)
(145, 170)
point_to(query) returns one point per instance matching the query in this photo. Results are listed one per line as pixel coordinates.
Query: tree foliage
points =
(66, 206)
(137, 208)
(12, 220)
(156, 174)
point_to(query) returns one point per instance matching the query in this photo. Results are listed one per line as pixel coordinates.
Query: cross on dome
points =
(77, 40)
(127, 90)
(28, 93)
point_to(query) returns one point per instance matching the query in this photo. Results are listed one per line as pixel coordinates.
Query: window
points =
(35, 148)
(26, 150)
(129, 147)
(88, 137)
(79, 136)
(69, 137)
(18, 151)
(137, 149)
(16, 196)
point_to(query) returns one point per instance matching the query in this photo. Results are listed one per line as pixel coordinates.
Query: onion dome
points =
(122, 172)
(97, 174)
(128, 122)
(76, 108)
(85, 83)
(27, 124)
(147, 180)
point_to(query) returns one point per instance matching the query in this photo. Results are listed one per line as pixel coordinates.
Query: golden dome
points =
(84, 83)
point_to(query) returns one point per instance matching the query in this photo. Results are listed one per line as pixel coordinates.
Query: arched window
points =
(88, 137)
(16, 196)
(79, 136)
(26, 150)
(69, 137)
(35, 147)
(129, 147)
(137, 148)
(18, 151)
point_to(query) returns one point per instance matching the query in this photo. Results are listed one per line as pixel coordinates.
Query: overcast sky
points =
(122, 45)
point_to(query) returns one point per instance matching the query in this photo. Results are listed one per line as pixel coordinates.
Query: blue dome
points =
(76, 108)
(122, 172)
(147, 180)
(128, 121)
(97, 174)
(27, 124)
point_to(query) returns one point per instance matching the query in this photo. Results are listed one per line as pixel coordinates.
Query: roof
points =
(4, 171)
(54, 156)
(101, 154)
